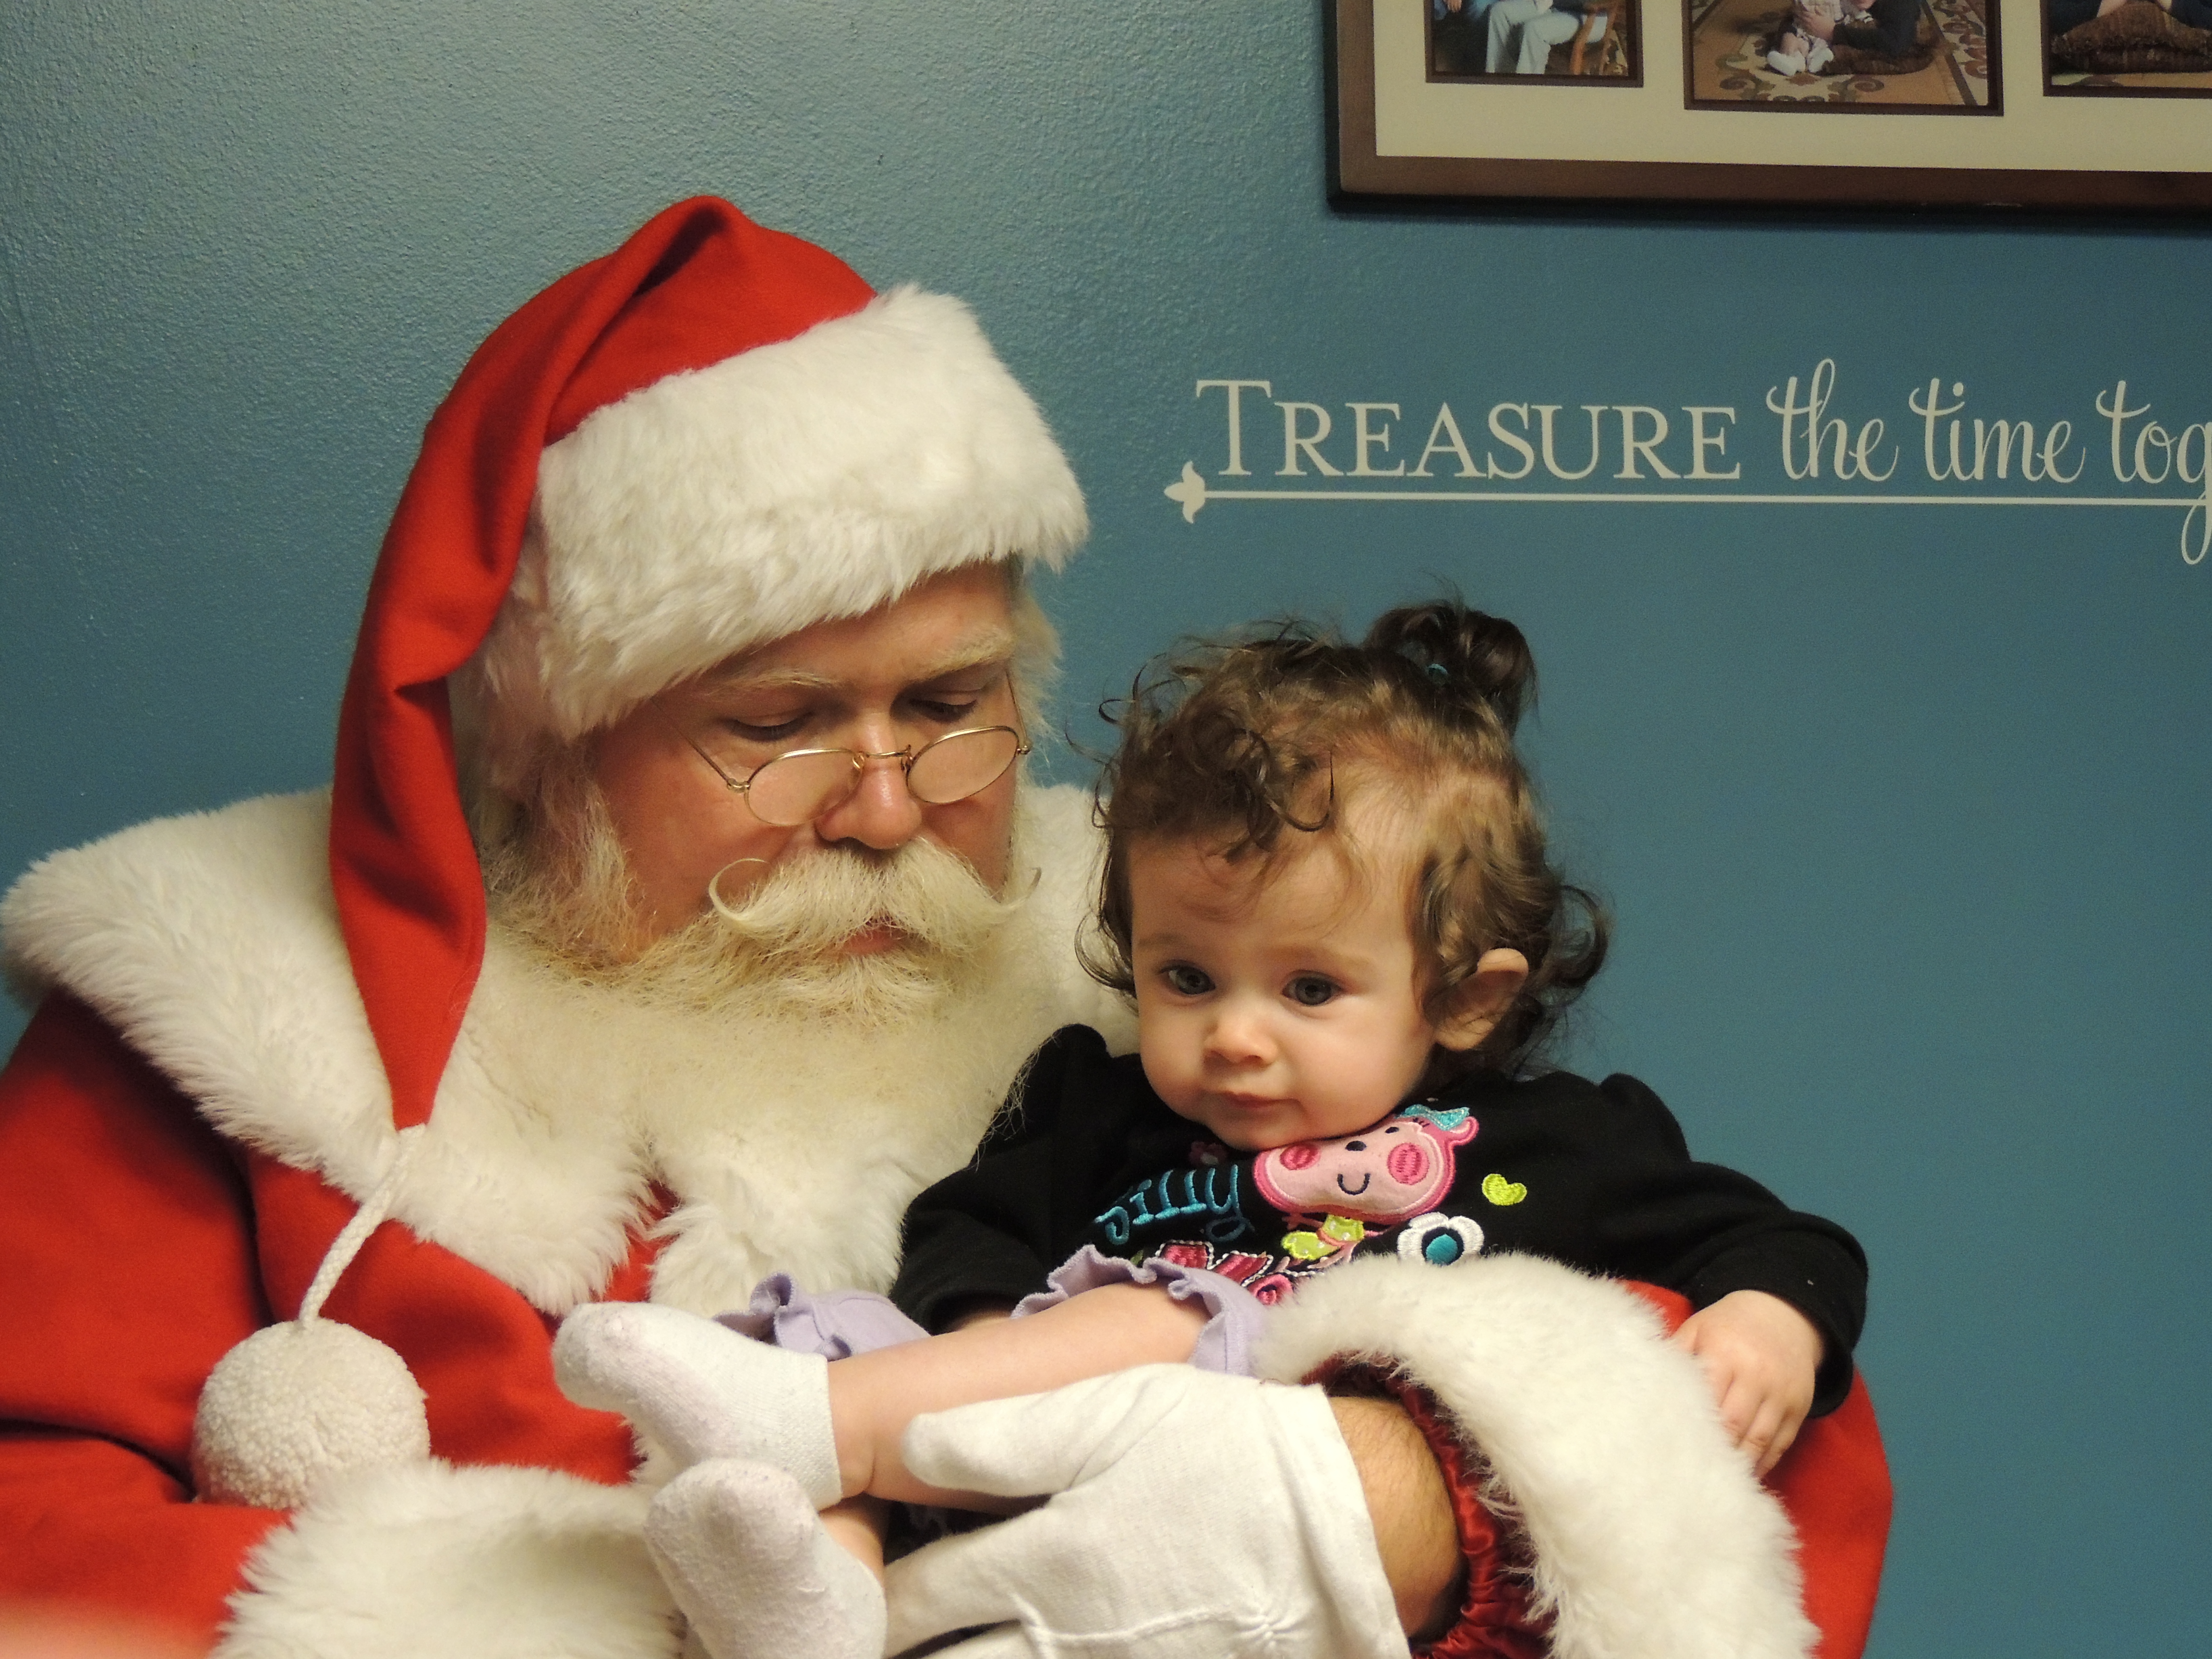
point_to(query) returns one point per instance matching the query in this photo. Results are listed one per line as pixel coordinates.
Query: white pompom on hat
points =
(299, 1403)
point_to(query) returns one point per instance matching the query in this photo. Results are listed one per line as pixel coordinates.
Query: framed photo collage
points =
(2080, 104)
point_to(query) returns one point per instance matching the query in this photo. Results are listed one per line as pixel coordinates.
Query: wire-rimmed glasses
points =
(800, 785)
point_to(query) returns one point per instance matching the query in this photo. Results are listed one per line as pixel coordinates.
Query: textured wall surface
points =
(1903, 812)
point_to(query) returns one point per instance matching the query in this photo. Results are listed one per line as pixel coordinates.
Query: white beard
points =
(808, 1160)
(792, 1136)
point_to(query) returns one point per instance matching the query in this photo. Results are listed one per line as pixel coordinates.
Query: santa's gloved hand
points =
(1191, 1515)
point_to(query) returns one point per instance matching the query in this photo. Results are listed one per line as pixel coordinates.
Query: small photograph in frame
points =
(1880, 57)
(1572, 42)
(2127, 48)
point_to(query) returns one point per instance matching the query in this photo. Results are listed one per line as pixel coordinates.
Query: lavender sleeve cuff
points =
(1225, 1343)
(835, 1324)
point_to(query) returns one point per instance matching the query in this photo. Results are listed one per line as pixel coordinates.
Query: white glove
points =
(1193, 1516)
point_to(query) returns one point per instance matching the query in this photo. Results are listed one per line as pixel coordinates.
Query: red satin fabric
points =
(139, 1247)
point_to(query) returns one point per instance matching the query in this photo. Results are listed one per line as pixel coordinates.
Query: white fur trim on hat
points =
(792, 483)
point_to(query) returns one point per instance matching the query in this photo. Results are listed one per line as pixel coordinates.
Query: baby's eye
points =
(1186, 981)
(1310, 990)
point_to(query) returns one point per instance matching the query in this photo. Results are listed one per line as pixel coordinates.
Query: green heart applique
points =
(1498, 1190)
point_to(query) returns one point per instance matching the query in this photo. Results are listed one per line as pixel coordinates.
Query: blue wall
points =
(1903, 811)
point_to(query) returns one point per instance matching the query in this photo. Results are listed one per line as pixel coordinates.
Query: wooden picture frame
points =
(1697, 119)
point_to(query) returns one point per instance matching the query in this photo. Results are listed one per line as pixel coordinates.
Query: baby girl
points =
(1327, 889)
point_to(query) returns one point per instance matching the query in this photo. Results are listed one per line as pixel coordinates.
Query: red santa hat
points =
(712, 437)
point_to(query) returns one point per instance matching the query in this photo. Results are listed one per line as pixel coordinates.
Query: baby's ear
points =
(1479, 1001)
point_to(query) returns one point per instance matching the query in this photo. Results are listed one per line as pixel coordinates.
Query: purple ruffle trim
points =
(838, 1324)
(1225, 1343)
(835, 1324)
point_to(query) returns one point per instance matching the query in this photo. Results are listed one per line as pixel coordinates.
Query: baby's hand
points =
(1760, 1355)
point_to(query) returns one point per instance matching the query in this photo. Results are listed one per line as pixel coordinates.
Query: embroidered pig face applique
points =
(1396, 1169)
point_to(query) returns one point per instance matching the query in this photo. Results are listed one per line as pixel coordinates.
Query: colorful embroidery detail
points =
(1439, 1239)
(1338, 1236)
(1268, 1278)
(1447, 1118)
(1170, 1197)
(1397, 1169)
(1498, 1190)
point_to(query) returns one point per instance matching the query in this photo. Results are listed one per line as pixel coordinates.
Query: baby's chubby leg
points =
(705, 1392)
(873, 1396)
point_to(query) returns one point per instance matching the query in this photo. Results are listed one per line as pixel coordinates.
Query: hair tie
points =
(1438, 671)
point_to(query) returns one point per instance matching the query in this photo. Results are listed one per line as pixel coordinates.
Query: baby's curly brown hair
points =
(1255, 742)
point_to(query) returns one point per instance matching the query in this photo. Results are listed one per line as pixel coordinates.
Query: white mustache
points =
(806, 907)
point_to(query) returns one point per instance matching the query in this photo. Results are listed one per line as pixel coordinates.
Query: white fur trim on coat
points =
(1652, 1539)
(211, 943)
(811, 479)
(434, 1562)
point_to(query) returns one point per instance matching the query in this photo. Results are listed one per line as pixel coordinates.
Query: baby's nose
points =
(1238, 1034)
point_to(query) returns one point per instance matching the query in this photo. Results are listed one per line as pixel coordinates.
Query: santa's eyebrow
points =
(766, 679)
(992, 649)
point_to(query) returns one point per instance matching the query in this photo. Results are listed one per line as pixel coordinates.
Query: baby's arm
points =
(1781, 1294)
(1761, 1355)
(873, 1396)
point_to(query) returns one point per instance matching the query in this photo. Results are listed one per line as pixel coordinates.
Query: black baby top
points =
(1595, 1176)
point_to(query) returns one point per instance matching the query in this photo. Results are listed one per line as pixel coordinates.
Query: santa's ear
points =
(1479, 1001)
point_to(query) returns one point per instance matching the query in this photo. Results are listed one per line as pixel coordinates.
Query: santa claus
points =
(680, 910)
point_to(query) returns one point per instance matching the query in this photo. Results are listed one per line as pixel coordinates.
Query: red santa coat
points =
(152, 1216)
